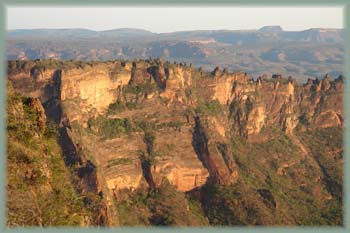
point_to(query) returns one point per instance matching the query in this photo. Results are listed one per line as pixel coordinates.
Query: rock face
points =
(94, 87)
(260, 104)
(223, 85)
(212, 156)
(172, 80)
(184, 170)
(132, 125)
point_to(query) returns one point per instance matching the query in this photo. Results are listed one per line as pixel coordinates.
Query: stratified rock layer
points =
(190, 115)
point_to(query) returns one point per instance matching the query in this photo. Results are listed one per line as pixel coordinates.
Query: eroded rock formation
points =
(131, 125)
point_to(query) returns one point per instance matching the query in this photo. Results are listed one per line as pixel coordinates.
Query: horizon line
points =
(147, 30)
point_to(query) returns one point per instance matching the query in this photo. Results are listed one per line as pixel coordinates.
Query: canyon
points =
(131, 126)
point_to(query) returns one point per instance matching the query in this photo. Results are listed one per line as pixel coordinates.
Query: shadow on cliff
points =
(200, 146)
(54, 113)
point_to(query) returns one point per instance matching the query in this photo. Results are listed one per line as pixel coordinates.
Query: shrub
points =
(119, 161)
(40, 188)
(146, 125)
(172, 124)
(110, 128)
(145, 88)
(212, 108)
(131, 105)
(115, 107)
(161, 206)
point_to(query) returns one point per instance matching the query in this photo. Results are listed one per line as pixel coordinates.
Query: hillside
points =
(302, 54)
(41, 189)
(166, 143)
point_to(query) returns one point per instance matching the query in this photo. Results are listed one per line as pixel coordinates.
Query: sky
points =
(169, 19)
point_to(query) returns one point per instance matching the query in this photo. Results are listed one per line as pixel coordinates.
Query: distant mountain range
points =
(301, 54)
(265, 34)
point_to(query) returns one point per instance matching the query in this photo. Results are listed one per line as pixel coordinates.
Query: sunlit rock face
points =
(283, 102)
(141, 122)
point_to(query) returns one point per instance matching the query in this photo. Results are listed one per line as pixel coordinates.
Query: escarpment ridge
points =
(134, 125)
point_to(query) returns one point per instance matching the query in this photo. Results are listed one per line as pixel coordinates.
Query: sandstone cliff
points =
(130, 125)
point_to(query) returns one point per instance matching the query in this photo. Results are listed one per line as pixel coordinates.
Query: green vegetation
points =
(282, 80)
(212, 108)
(283, 179)
(133, 211)
(37, 66)
(235, 205)
(120, 161)
(149, 137)
(40, 190)
(239, 110)
(110, 128)
(146, 125)
(115, 108)
(163, 206)
(188, 92)
(241, 107)
(326, 146)
(149, 128)
(146, 88)
(189, 113)
(171, 124)
(131, 105)
(303, 121)
(260, 165)
(115, 127)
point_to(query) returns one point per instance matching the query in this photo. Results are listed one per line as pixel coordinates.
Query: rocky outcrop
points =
(223, 85)
(184, 170)
(168, 135)
(39, 110)
(90, 88)
(213, 158)
(93, 88)
(120, 162)
(171, 79)
(283, 102)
